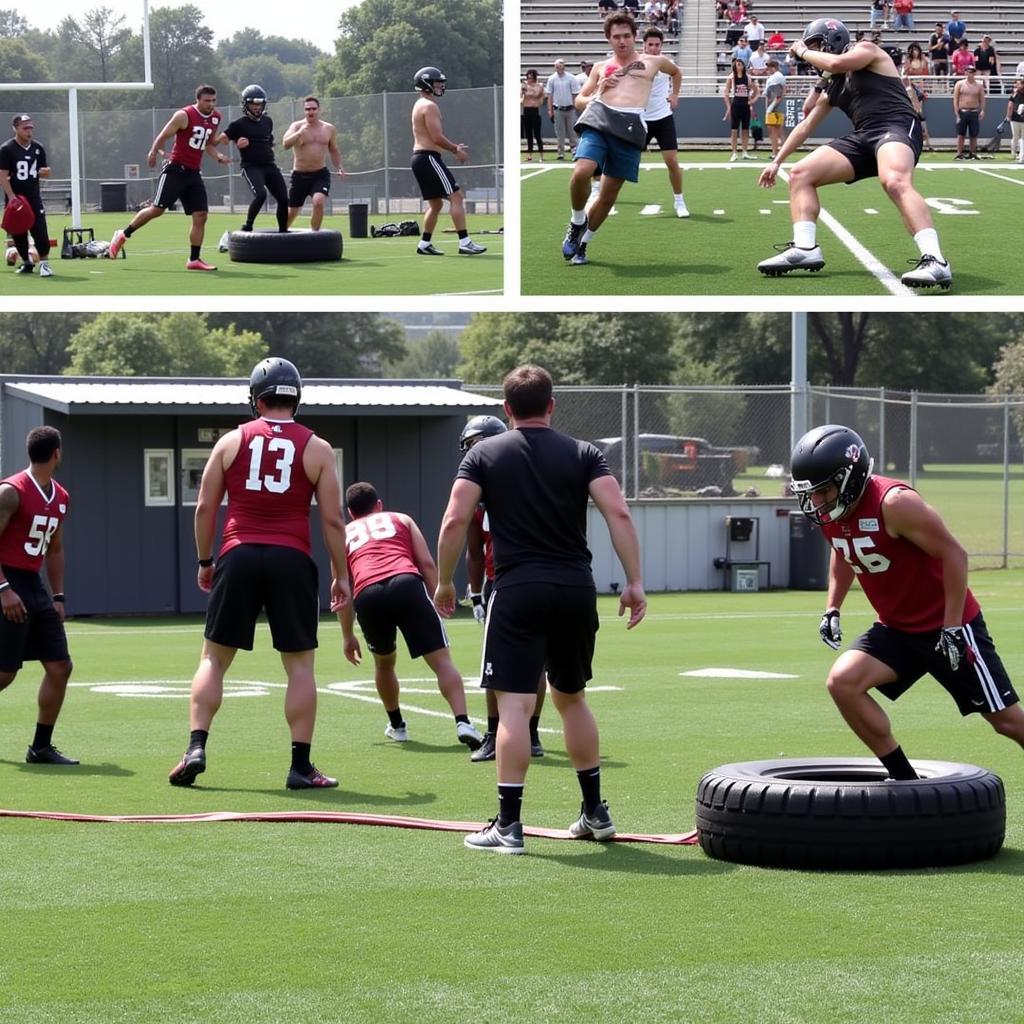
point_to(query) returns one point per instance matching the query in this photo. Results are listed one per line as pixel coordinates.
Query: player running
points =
(862, 81)
(914, 573)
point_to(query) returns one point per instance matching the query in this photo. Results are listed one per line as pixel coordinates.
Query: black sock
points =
(492, 725)
(43, 736)
(534, 723)
(510, 803)
(462, 718)
(590, 787)
(897, 765)
(197, 739)
(425, 237)
(300, 758)
(129, 231)
(395, 718)
(463, 234)
(195, 252)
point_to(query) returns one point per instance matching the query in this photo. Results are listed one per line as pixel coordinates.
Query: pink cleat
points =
(116, 243)
(198, 265)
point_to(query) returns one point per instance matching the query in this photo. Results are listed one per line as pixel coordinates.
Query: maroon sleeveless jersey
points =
(189, 142)
(902, 582)
(379, 546)
(24, 542)
(268, 491)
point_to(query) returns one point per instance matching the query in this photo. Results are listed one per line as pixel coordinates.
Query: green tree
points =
(249, 42)
(437, 355)
(162, 345)
(90, 49)
(183, 55)
(12, 24)
(382, 43)
(37, 343)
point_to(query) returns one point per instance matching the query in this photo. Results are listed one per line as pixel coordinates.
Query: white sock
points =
(803, 234)
(678, 197)
(927, 240)
(579, 217)
(588, 235)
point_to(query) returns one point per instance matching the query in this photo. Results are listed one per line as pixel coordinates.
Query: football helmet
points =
(430, 79)
(480, 427)
(254, 101)
(831, 35)
(829, 456)
(274, 376)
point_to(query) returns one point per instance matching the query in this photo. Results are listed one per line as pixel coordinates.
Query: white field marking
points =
(718, 213)
(173, 688)
(1001, 177)
(537, 171)
(871, 211)
(368, 684)
(736, 673)
(651, 210)
(951, 206)
(780, 202)
(482, 291)
(764, 212)
(867, 260)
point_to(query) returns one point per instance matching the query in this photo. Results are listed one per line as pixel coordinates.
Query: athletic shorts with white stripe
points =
(979, 686)
(432, 176)
(181, 183)
(399, 603)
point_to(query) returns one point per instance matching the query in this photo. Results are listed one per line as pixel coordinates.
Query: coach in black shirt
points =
(542, 615)
(22, 164)
(253, 134)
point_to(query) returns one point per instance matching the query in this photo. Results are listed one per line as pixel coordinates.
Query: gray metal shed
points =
(134, 449)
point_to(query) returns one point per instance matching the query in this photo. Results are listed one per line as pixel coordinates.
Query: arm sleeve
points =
(471, 469)
(233, 131)
(597, 465)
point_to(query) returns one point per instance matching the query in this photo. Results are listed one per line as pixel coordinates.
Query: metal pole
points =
(881, 430)
(798, 386)
(622, 434)
(76, 177)
(387, 161)
(828, 403)
(913, 439)
(1006, 481)
(148, 71)
(636, 440)
(497, 147)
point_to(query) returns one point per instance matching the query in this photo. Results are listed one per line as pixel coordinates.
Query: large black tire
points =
(845, 813)
(272, 246)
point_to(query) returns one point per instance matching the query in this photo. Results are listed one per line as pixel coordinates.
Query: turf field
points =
(155, 263)
(643, 249)
(289, 922)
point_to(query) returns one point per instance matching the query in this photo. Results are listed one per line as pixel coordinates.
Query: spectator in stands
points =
(1015, 112)
(758, 64)
(737, 15)
(955, 29)
(916, 64)
(631, 5)
(561, 89)
(962, 58)
(532, 96)
(739, 92)
(722, 9)
(903, 14)
(879, 13)
(584, 74)
(755, 31)
(938, 50)
(777, 41)
(1018, 72)
(741, 51)
(606, 7)
(673, 17)
(969, 111)
(986, 60)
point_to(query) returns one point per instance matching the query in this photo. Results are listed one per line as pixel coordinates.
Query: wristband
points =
(59, 598)
(5, 585)
(205, 563)
(477, 599)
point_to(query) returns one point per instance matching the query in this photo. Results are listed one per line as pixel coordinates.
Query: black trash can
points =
(358, 218)
(114, 196)
(808, 554)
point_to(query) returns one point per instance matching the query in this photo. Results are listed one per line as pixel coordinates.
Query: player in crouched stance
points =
(862, 81)
(914, 573)
(391, 572)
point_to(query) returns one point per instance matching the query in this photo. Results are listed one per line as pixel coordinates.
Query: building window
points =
(193, 462)
(159, 476)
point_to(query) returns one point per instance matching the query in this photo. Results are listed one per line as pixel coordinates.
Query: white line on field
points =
(534, 174)
(1001, 177)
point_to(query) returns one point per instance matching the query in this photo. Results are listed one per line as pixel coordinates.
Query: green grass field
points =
(155, 263)
(283, 922)
(643, 249)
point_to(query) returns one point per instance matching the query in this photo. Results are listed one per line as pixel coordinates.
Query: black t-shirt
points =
(1017, 110)
(938, 46)
(23, 164)
(260, 151)
(985, 58)
(869, 99)
(535, 484)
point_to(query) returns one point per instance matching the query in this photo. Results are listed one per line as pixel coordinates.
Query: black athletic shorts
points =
(41, 636)
(305, 183)
(663, 131)
(399, 603)
(433, 177)
(264, 178)
(181, 183)
(860, 148)
(981, 686)
(533, 627)
(739, 114)
(969, 123)
(252, 578)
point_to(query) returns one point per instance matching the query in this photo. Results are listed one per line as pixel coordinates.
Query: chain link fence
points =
(374, 135)
(962, 452)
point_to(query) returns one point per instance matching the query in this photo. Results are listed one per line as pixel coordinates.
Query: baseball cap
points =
(22, 120)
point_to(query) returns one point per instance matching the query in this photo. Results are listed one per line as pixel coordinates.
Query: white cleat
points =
(929, 272)
(792, 257)
(681, 210)
(222, 245)
(45, 270)
(397, 733)
(734, 158)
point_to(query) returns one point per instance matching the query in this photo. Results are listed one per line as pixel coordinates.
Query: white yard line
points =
(1001, 177)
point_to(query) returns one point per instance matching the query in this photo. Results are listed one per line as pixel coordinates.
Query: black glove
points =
(830, 630)
(953, 647)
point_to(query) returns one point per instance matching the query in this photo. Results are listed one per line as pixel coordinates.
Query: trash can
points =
(808, 555)
(358, 217)
(114, 196)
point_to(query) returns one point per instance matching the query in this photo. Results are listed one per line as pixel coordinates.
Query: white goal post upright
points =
(72, 90)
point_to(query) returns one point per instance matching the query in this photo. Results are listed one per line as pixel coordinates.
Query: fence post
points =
(913, 439)
(497, 149)
(1006, 481)
(636, 440)
(622, 434)
(76, 180)
(798, 425)
(881, 428)
(387, 158)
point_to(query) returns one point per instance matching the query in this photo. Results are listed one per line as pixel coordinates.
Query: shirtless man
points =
(619, 88)
(310, 141)
(435, 180)
(968, 109)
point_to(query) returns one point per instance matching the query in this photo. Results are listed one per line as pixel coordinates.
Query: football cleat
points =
(571, 242)
(116, 243)
(470, 248)
(928, 272)
(792, 257)
(497, 838)
(428, 249)
(199, 265)
(595, 825)
(397, 733)
(314, 779)
(25, 268)
(47, 755)
(467, 733)
(580, 259)
(681, 210)
(486, 751)
(222, 245)
(45, 270)
(536, 748)
(734, 158)
(192, 763)
(748, 156)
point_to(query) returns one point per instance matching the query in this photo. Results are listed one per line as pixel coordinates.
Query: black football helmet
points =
(824, 456)
(274, 376)
(254, 101)
(832, 36)
(478, 428)
(430, 79)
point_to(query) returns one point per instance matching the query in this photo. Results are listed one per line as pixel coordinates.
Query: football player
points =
(22, 164)
(311, 140)
(862, 81)
(913, 571)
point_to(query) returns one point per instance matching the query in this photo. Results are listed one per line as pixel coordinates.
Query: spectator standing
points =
(739, 93)
(742, 51)
(903, 14)
(532, 96)
(758, 65)
(774, 93)
(606, 7)
(586, 66)
(938, 50)
(777, 41)
(986, 60)
(879, 13)
(1015, 112)
(755, 31)
(962, 58)
(917, 96)
(969, 111)
(916, 64)
(955, 29)
(561, 90)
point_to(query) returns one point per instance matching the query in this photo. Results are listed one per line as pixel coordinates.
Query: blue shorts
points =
(613, 157)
